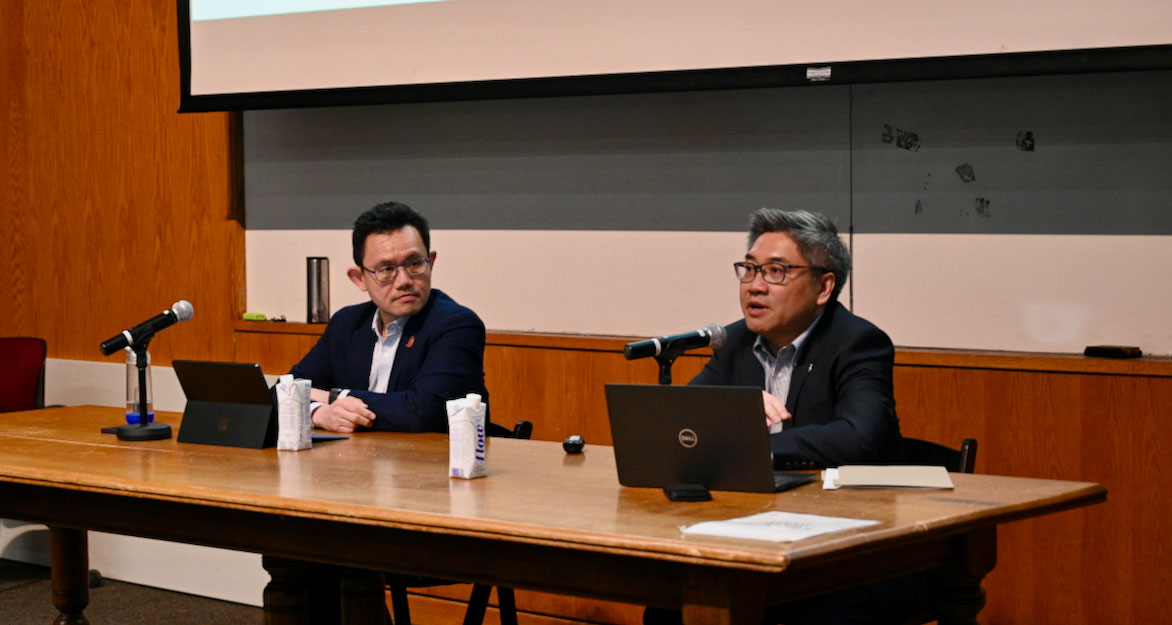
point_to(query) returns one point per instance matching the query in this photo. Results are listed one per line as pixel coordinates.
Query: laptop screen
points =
(228, 403)
(710, 435)
(232, 382)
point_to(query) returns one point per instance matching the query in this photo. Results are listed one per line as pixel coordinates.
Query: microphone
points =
(180, 311)
(711, 335)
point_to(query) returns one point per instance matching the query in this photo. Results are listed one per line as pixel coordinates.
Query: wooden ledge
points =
(279, 327)
(904, 356)
(1031, 361)
(541, 340)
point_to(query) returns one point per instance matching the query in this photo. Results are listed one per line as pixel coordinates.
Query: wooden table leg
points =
(303, 593)
(70, 572)
(962, 596)
(719, 599)
(286, 596)
(364, 598)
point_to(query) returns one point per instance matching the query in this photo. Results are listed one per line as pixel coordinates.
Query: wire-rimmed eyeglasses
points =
(772, 272)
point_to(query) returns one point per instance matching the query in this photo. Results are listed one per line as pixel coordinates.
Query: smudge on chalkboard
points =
(1025, 140)
(919, 206)
(966, 173)
(981, 206)
(907, 140)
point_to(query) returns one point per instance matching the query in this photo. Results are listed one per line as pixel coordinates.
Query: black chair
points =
(921, 452)
(963, 460)
(478, 601)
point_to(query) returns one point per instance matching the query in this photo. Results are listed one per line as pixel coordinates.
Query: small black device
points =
(574, 444)
(687, 492)
(1112, 351)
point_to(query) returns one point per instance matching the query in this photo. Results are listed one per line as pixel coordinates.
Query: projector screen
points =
(261, 53)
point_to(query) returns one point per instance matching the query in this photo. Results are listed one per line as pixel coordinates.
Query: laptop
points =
(228, 403)
(680, 435)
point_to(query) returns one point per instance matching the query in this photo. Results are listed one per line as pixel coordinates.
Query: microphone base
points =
(148, 432)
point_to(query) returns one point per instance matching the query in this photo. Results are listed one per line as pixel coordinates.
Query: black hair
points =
(384, 218)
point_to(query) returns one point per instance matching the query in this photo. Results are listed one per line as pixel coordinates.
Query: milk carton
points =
(294, 424)
(466, 444)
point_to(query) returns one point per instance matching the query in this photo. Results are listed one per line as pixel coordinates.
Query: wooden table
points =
(541, 520)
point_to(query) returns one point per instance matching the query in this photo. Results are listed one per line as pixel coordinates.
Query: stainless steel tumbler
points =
(317, 289)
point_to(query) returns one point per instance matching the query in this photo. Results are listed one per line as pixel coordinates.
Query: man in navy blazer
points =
(826, 374)
(392, 363)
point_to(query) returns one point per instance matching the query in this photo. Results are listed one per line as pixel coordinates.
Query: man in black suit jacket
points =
(826, 377)
(392, 363)
(826, 373)
(839, 408)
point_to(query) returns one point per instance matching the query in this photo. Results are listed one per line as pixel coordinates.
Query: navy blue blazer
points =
(440, 357)
(841, 395)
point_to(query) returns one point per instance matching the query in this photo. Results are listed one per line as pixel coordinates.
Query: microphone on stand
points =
(179, 311)
(137, 339)
(711, 335)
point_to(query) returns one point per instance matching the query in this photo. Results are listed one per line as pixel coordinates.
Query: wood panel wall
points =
(1103, 422)
(112, 205)
(1048, 416)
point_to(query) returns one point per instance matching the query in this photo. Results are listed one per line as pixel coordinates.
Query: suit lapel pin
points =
(810, 368)
(410, 342)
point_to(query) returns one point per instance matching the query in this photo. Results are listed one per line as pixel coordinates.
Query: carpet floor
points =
(26, 599)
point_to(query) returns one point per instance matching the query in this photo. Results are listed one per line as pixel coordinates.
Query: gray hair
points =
(816, 236)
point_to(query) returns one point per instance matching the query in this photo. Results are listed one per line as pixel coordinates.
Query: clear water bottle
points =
(132, 413)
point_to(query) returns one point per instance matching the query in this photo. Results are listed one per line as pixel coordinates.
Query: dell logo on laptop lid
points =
(688, 438)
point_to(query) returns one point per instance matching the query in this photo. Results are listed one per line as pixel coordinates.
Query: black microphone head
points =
(716, 335)
(183, 310)
(631, 351)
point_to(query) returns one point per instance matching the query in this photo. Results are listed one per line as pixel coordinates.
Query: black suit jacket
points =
(440, 357)
(841, 395)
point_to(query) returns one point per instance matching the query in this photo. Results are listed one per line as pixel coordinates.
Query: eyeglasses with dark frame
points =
(386, 273)
(771, 272)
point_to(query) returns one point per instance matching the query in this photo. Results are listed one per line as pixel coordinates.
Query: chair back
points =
(521, 429)
(22, 373)
(963, 460)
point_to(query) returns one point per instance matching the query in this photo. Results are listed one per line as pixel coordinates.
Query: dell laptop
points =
(713, 436)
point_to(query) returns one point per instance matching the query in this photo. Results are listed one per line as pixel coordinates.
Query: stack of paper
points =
(776, 526)
(867, 476)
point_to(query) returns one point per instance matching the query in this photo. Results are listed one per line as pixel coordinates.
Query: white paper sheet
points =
(776, 526)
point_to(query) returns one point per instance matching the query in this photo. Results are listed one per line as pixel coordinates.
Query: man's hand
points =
(344, 415)
(775, 412)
